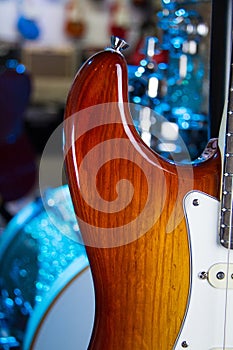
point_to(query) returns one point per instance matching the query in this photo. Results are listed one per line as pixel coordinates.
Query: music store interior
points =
(176, 60)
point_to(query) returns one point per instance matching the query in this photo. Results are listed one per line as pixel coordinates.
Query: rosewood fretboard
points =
(226, 236)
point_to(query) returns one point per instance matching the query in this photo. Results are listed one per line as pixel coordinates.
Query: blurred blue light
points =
(137, 99)
(180, 12)
(143, 62)
(11, 63)
(162, 66)
(9, 302)
(20, 68)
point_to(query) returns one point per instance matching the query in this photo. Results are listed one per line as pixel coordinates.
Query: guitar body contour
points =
(129, 205)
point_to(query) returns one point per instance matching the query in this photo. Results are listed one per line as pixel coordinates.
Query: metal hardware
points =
(203, 275)
(184, 344)
(118, 44)
(220, 275)
(196, 202)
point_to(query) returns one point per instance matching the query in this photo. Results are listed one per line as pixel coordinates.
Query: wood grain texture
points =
(137, 242)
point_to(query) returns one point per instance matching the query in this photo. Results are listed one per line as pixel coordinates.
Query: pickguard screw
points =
(196, 202)
(184, 344)
(203, 275)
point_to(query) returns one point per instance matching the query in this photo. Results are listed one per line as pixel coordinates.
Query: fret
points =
(226, 223)
(225, 233)
(226, 192)
(227, 184)
(229, 144)
(230, 124)
(225, 209)
(226, 218)
(226, 201)
(228, 166)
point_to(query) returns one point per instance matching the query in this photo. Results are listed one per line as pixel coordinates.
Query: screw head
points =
(220, 275)
(196, 202)
(203, 275)
(184, 344)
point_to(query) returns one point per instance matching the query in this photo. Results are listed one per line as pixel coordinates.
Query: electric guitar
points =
(162, 271)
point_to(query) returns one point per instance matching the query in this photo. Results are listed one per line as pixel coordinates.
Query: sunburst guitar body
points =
(135, 210)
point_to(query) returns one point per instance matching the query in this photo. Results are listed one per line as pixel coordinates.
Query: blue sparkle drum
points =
(46, 287)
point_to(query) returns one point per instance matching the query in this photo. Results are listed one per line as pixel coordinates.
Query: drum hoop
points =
(40, 312)
(78, 267)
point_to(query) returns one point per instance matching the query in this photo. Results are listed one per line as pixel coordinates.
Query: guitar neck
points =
(226, 236)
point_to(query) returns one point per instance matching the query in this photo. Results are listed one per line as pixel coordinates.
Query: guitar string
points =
(228, 259)
(227, 272)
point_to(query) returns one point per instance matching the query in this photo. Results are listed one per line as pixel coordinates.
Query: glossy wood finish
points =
(141, 268)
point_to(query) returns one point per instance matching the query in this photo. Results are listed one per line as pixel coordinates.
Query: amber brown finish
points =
(141, 287)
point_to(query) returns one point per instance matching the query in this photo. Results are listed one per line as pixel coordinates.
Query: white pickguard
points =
(206, 326)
